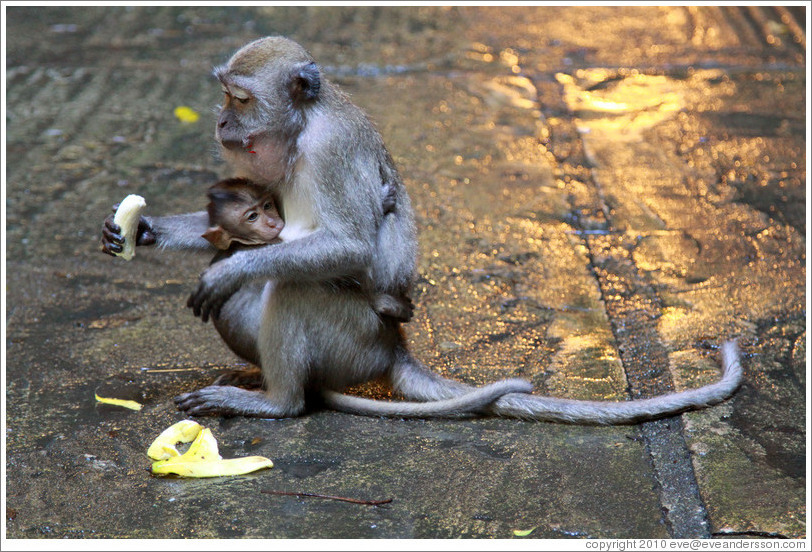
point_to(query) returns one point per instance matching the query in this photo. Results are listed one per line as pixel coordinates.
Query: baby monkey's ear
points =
(218, 237)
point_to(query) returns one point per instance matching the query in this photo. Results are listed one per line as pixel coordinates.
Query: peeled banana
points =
(203, 457)
(127, 216)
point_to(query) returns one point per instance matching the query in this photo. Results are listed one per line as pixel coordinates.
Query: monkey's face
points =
(267, 86)
(254, 224)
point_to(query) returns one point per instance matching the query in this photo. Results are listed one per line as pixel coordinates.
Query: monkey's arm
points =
(319, 256)
(171, 232)
(181, 231)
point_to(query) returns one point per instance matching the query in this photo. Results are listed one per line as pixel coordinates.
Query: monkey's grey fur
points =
(301, 309)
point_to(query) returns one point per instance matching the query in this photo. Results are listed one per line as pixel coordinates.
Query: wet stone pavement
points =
(603, 196)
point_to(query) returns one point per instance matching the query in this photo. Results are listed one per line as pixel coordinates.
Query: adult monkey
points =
(300, 309)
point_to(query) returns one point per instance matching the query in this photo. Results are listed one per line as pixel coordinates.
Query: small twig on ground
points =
(330, 497)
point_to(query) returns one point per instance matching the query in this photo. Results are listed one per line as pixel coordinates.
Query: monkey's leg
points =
(283, 396)
(256, 330)
(240, 320)
(224, 400)
(238, 325)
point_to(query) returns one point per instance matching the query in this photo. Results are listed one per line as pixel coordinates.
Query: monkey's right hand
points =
(217, 284)
(112, 241)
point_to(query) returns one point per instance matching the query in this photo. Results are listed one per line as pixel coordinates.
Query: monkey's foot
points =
(224, 400)
(248, 379)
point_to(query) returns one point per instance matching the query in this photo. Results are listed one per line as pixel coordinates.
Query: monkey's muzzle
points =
(244, 144)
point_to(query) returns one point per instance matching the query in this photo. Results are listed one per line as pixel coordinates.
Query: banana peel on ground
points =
(132, 405)
(203, 457)
(163, 447)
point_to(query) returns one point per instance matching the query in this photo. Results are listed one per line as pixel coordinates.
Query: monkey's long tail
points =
(474, 401)
(415, 381)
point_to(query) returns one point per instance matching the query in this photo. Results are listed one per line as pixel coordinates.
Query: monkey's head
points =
(269, 85)
(241, 211)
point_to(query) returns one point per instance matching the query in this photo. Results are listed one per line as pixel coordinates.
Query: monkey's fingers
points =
(111, 229)
(111, 249)
(195, 304)
(112, 241)
(211, 310)
(203, 306)
(207, 300)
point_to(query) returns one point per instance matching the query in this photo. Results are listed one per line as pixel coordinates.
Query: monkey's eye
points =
(268, 206)
(252, 217)
(237, 94)
(241, 95)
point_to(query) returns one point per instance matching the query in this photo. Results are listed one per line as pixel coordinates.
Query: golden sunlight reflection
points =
(586, 366)
(624, 103)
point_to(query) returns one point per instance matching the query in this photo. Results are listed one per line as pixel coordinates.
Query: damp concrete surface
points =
(603, 195)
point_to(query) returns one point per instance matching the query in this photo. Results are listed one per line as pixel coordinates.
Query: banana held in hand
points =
(203, 457)
(127, 216)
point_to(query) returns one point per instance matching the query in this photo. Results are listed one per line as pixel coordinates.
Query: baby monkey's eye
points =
(252, 217)
(268, 206)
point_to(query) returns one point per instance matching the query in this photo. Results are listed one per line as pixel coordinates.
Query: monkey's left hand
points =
(217, 284)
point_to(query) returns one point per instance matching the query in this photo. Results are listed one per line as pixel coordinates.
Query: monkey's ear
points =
(218, 237)
(305, 84)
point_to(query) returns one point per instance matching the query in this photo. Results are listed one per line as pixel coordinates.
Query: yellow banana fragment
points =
(215, 468)
(186, 114)
(163, 447)
(132, 405)
(203, 457)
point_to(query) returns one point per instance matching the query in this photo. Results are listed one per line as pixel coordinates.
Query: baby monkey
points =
(244, 212)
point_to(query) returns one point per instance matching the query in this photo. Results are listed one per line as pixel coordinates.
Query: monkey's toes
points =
(199, 403)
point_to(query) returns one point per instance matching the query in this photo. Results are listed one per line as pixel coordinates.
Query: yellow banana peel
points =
(203, 457)
(211, 468)
(203, 449)
(163, 447)
(132, 405)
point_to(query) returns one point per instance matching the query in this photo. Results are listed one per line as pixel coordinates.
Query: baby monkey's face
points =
(255, 223)
(240, 211)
